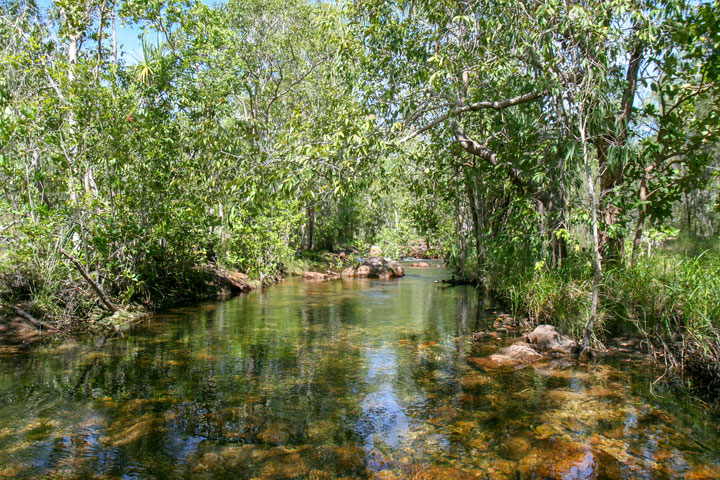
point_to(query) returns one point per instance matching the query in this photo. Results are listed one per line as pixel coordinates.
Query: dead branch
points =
(101, 294)
(39, 324)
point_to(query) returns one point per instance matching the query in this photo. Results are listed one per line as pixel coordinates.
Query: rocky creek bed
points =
(353, 378)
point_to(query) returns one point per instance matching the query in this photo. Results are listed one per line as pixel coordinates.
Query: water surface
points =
(343, 379)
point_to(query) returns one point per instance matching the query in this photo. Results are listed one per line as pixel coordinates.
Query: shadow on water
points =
(343, 379)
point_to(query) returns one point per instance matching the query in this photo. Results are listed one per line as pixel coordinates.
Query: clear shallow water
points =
(343, 379)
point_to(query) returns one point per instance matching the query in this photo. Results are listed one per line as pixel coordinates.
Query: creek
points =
(340, 379)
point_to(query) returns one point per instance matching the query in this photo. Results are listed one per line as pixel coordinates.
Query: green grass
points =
(670, 299)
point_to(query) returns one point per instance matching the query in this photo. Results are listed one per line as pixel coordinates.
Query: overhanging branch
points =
(475, 107)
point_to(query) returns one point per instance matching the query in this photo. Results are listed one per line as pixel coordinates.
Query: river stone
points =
(703, 472)
(141, 428)
(362, 271)
(514, 448)
(321, 430)
(562, 459)
(546, 338)
(480, 443)
(285, 465)
(319, 277)
(385, 475)
(396, 268)
(274, 433)
(350, 460)
(476, 380)
(515, 355)
(436, 472)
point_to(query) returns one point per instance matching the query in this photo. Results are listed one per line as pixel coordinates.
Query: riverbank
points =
(35, 304)
(669, 303)
(26, 317)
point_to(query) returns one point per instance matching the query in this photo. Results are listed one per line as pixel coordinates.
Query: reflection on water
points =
(344, 379)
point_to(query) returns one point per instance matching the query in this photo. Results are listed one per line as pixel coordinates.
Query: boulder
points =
(376, 267)
(546, 339)
(375, 251)
(362, 271)
(419, 265)
(396, 268)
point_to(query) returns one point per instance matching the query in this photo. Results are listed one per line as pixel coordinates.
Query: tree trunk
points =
(309, 234)
(473, 194)
(642, 212)
(611, 176)
(597, 258)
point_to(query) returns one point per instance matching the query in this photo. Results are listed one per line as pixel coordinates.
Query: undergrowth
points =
(670, 299)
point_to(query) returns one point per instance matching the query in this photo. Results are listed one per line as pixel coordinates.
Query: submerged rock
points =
(547, 339)
(505, 321)
(436, 472)
(514, 448)
(144, 426)
(419, 265)
(282, 464)
(350, 460)
(561, 459)
(274, 433)
(515, 355)
(319, 277)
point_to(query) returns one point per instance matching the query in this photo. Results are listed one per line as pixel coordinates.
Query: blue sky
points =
(129, 43)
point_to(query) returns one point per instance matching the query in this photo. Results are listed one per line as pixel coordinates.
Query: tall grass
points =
(559, 296)
(674, 303)
(670, 299)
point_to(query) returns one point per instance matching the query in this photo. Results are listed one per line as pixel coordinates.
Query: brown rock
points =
(436, 472)
(703, 472)
(505, 321)
(274, 433)
(362, 271)
(561, 459)
(546, 338)
(350, 460)
(476, 380)
(419, 265)
(515, 448)
(285, 465)
(375, 267)
(143, 427)
(319, 277)
(514, 355)
(396, 269)
(229, 281)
